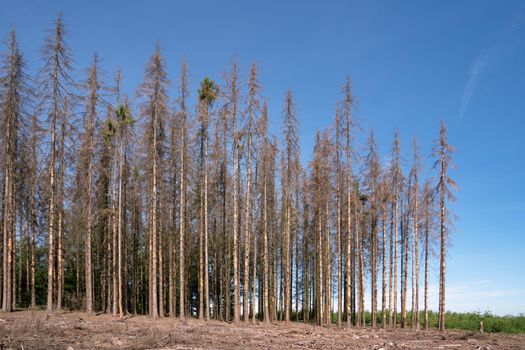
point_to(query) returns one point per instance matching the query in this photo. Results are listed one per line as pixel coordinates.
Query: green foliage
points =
(110, 128)
(124, 116)
(208, 91)
(470, 321)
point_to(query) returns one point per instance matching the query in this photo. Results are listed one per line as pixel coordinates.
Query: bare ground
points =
(32, 329)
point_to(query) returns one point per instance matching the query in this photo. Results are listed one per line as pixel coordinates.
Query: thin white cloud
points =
(488, 56)
(480, 295)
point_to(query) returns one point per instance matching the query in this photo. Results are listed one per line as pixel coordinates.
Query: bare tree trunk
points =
(247, 225)
(339, 250)
(171, 267)
(328, 264)
(289, 163)
(27, 245)
(374, 264)
(51, 254)
(266, 309)
(383, 278)
(395, 253)
(91, 114)
(416, 253)
(405, 252)
(442, 266)
(201, 240)
(226, 235)
(12, 247)
(361, 312)
(349, 249)
(319, 308)
(306, 299)
(33, 241)
(274, 263)
(114, 236)
(60, 266)
(6, 253)
(254, 290)
(296, 244)
(427, 223)
(236, 292)
(182, 205)
(413, 275)
(119, 267)
(153, 211)
(161, 262)
(391, 245)
(206, 259)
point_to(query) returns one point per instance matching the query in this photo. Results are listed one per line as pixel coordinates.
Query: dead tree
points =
(415, 234)
(392, 284)
(13, 97)
(443, 152)
(233, 96)
(290, 131)
(427, 207)
(339, 208)
(154, 92)
(385, 197)
(346, 109)
(183, 93)
(92, 101)
(373, 173)
(55, 88)
(253, 105)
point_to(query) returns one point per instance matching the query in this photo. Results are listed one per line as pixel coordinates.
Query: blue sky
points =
(412, 63)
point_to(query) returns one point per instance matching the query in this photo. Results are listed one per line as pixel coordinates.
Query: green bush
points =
(465, 321)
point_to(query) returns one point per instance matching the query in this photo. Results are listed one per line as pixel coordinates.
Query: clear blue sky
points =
(412, 63)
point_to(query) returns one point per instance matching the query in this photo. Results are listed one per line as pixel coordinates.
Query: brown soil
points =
(33, 330)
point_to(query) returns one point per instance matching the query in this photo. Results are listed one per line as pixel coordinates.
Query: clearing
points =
(32, 329)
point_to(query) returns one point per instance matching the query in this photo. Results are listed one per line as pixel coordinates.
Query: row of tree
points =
(150, 206)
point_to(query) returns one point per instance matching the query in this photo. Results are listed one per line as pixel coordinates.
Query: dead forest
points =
(151, 204)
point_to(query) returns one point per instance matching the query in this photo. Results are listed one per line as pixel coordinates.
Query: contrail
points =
(487, 56)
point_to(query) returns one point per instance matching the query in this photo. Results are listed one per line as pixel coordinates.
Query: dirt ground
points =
(33, 330)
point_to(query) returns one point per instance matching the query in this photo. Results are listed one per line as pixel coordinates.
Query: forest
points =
(148, 205)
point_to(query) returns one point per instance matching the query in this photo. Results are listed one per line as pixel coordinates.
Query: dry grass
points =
(34, 330)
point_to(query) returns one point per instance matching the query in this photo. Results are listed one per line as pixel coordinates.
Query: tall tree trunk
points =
(114, 234)
(254, 314)
(91, 115)
(360, 233)
(442, 265)
(206, 259)
(182, 204)
(383, 267)
(51, 253)
(33, 239)
(339, 250)
(60, 210)
(266, 309)
(161, 260)
(416, 253)
(319, 307)
(119, 266)
(236, 292)
(328, 264)
(153, 213)
(427, 224)
(247, 224)
(395, 225)
(349, 267)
